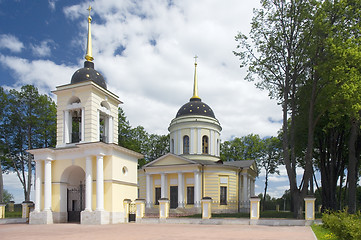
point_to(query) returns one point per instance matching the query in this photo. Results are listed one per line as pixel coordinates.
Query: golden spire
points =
(89, 53)
(195, 85)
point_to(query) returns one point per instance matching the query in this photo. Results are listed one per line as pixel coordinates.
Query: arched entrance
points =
(74, 179)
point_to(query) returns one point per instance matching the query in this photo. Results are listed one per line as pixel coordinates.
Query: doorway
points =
(72, 194)
(76, 202)
(173, 197)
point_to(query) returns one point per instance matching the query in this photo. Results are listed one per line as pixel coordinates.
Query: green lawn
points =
(323, 233)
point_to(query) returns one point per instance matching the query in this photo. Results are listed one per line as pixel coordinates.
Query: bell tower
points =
(87, 111)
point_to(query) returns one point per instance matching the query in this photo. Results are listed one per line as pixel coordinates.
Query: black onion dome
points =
(88, 73)
(195, 107)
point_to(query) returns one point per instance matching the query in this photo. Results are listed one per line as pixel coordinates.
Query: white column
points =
(111, 130)
(199, 138)
(245, 187)
(211, 143)
(191, 142)
(82, 125)
(88, 183)
(197, 189)
(66, 132)
(180, 141)
(163, 186)
(47, 186)
(180, 190)
(100, 184)
(252, 187)
(98, 127)
(38, 173)
(148, 190)
(249, 188)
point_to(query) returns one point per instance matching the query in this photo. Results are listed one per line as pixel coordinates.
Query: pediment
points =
(170, 160)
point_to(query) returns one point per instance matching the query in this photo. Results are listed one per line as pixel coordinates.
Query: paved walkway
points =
(152, 232)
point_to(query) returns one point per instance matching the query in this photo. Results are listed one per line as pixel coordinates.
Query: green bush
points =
(343, 225)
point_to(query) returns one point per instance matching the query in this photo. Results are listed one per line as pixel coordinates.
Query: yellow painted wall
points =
(212, 187)
(91, 98)
(142, 185)
(170, 160)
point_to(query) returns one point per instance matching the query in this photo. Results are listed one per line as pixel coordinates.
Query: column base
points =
(94, 217)
(44, 217)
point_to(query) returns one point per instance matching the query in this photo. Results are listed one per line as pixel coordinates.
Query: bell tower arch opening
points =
(73, 190)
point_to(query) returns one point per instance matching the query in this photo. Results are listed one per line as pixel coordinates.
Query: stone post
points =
(26, 205)
(126, 204)
(163, 208)
(140, 208)
(310, 208)
(11, 206)
(277, 208)
(255, 208)
(206, 207)
(2, 210)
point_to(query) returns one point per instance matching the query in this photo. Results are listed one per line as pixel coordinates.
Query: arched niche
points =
(72, 192)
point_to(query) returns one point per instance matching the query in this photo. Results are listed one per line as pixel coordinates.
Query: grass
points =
(17, 213)
(323, 233)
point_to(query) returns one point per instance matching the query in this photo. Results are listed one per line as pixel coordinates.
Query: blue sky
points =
(145, 51)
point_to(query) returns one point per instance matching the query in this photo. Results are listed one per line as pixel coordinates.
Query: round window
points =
(125, 170)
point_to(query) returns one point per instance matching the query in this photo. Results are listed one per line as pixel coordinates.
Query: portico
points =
(184, 182)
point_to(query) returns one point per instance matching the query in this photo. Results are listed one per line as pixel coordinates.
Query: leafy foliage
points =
(343, 225)
(28, 121)
(138, 139)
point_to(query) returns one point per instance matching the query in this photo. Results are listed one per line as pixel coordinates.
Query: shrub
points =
(345, 226)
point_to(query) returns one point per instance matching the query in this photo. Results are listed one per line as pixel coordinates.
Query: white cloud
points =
(42, 50)
(43, 74)
(145, 50)
(11, 42)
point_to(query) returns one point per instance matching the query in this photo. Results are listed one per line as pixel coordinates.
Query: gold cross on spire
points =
(195, 84)
(89, 51)
(89, 9)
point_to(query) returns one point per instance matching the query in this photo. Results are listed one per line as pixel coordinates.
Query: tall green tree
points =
(25, 127)
(3, 103)
(270, 159)
(275, 51)
(339, 23)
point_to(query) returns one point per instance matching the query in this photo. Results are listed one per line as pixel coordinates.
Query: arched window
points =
(205, 144)
(185, 144)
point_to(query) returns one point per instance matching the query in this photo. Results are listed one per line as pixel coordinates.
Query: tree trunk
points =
(352, 166)
(265, 191)
(1, 185)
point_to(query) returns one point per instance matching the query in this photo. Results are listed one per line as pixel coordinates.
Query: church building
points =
(193, 169)
(86, 177)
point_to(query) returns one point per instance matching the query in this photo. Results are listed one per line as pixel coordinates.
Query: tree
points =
(270, 159)
(7, 196)
(244, 148)
(24, 127)
(138, 139)
(277, 56)
(340, 24)
(3, 103)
